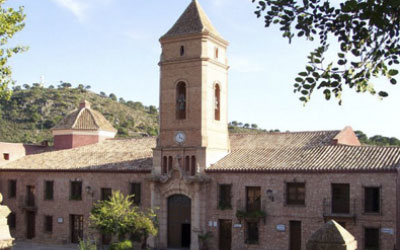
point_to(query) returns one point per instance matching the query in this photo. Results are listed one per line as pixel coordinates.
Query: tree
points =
(64, 85)
(113, 97)
(367, 32)
(119, 217)
(11, 21)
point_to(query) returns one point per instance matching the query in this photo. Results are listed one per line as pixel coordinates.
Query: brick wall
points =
(73, 141)
(62, 206)
(318, 187)
(17, 150)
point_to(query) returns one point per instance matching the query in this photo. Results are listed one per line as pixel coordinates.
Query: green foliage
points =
(377, 140)
(11, 22)
(367, 32)
(86, 245)
(250, 215)
(124, 245)
(31, 112)
(239, 127)
(118, 216)
(204, 240)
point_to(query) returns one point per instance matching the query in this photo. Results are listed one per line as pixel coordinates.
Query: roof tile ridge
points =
(80, 111)
(93, 117)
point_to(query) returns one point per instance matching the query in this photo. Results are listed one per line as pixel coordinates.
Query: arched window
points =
(170, 163)
(164, 165)
(193, 167)
(181, 101)
(217, 103)
(182, 51)
(187, 164)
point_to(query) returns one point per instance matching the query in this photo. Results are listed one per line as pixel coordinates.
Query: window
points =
(216, 53)
(76, 190)
(217, 107)
(165, 165)
(49, 190)
(48, 224)
(12, 188)
(340, 198)
(372, 200)
(253, 199)
(106, 193)
(187, 164)
(182, 50)
(225, 196)
(295, 193)
(170, 162)
(371, 238)
(12, 220)
(193, 169)
(136, 190)
(6, 156)
(252, 233)
(181, 101)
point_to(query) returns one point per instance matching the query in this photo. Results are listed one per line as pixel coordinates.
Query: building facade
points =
(249, 191)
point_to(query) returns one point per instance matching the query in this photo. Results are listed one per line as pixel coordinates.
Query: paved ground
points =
(33, 246)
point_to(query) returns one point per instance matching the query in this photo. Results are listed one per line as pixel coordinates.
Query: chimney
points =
(84, 104)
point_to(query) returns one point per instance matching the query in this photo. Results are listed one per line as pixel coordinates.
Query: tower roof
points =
(85, 118)
(193, 20)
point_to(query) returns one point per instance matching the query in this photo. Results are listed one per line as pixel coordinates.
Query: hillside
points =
(31, 112)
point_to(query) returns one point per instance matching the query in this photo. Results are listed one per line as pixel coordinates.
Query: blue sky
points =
(113, 46)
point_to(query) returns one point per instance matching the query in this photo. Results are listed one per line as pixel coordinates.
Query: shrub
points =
(86, 245)
(124, 245)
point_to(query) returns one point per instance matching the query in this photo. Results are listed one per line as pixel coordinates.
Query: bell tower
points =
(193, 94)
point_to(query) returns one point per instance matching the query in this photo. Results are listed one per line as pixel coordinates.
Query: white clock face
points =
(180, 137)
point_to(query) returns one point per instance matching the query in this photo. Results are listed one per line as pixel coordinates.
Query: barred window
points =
(12, 188)
(106, 193)
(136, 189)
(48, 224)
(295, 193)
(76, 190)
(225, 196)
(372, 200)
(252, 233)
(49, 190)
(253, 199)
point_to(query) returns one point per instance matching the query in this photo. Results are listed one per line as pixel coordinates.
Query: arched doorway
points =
(179, 230)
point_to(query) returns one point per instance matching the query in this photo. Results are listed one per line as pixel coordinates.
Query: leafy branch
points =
(367, 32)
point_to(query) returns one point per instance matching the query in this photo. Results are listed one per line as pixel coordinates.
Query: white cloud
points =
(80, 7)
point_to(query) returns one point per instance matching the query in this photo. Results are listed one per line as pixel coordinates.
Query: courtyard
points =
(21, 245)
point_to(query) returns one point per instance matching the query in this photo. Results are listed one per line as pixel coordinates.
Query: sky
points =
(112, 45)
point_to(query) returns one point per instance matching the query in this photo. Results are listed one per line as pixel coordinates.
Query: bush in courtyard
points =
(86, 245)
(124, 245)
(118, 216)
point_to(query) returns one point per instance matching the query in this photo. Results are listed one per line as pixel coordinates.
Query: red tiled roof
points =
(132, 154)
(193, 20)
(85, 118)
(304, 151)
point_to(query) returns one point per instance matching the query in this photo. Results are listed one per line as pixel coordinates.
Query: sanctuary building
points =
(250, 191)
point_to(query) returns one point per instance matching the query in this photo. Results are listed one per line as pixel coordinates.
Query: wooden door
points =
(30, 224)
(225, 234)
(179, 217)
(76, 227)
(295, 235)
